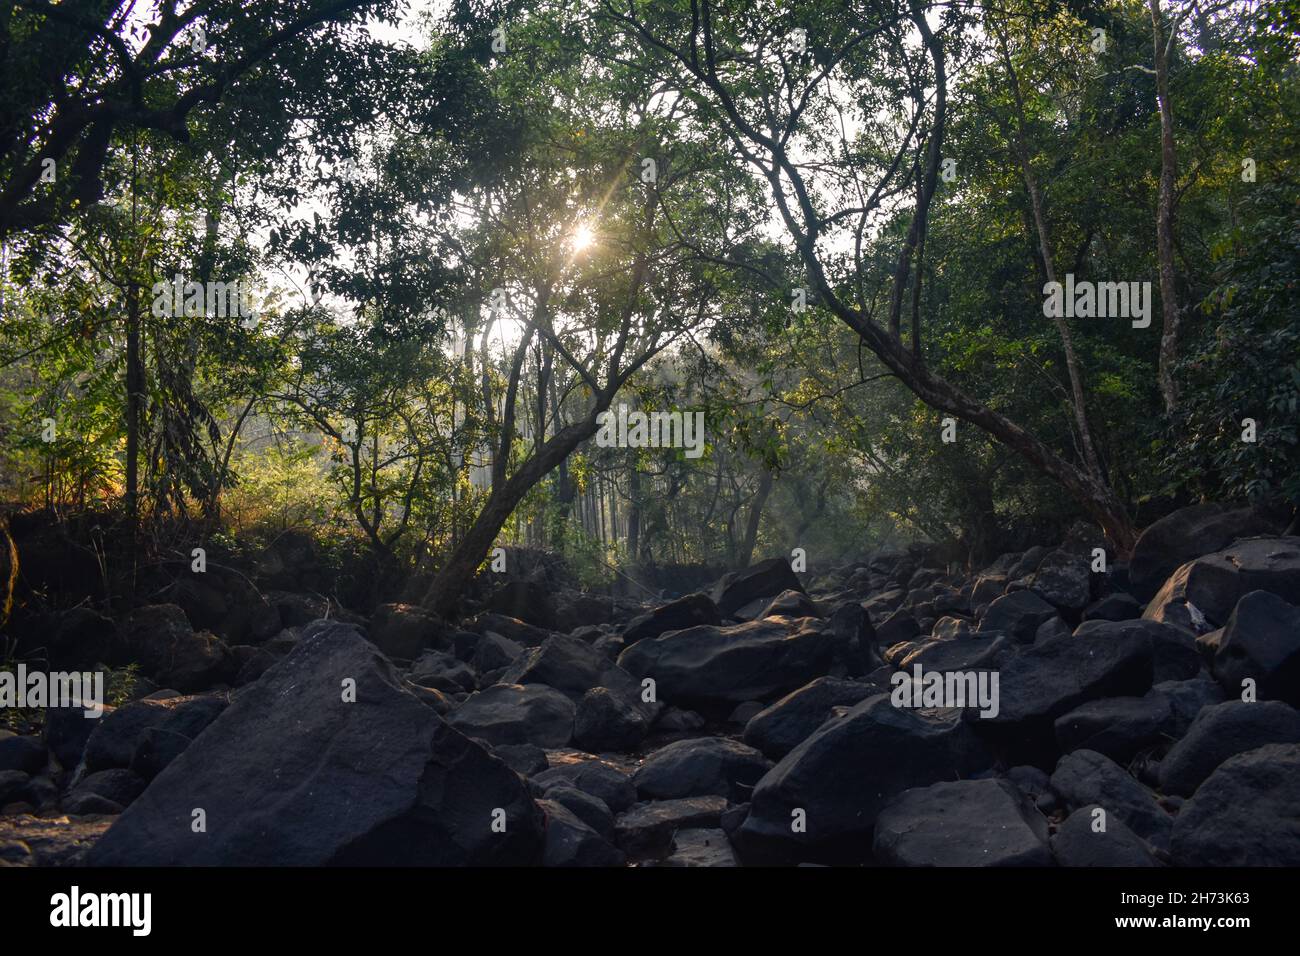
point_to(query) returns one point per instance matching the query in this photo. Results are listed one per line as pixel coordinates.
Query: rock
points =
(763, 580)
(1047, 681)
(1113, 607)
(1221, 731)
(743, 713)
(1115, 726)
(577, 612)
(570, 842)
(66, 731)
(967, 655)
(962, 823)
(988, 587)
(1201, 595)
(700, 846)
(573, 667)
(674, 720)
(13, 786)
(1261, 641)
(677, 615)
(512, 628)
(1244, 814)
(699, 767)
(1050, 630)
(442, 671)
(753, 661)
(590, 810)
(402, 631)
(523, 759)
(291, 774)
(1063, 580)
(855, 639)
(793, 604)
(1085, 777)
(1018, 614)
(529, 601)
(160, 639)
(606, 721)
(1173, 651)
(1187, 534)
(951, 629)
(119, 735)
(78, 639)
(1185, 699)
(27, 754)
(647, 829)
(493, 652)
(1077, 842)
(847, 771)
(225, 603)
(517, 714)
(897, 627)
(118, 785)
(602, 780)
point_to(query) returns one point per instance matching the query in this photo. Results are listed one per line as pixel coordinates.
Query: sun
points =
(583, 237)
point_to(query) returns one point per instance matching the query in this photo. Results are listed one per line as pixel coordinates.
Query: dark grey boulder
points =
(765, 579)
(160, 639)
(1063, 580)
(1114, 607)
(1261, 641)
(1222, 731)
(790, 604)
(1018, 614)
(1085, 777)
(1118, 727)
(591, 810)
(753, 661)
(1089, 839)
(676, 615)
(594, 776)
(647, 829)
(570, 842)
(699, 767)
(27, 754)
(792, 719)
(1201, 595)
(118, 735)
(292, 774)
(1185, 535)
(701, 846)
(1185, 699)
(962, 823)
(846, 772)
(1244, 814)
(606, 721)
(517, 714)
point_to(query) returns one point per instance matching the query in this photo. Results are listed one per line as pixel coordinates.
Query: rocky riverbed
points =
(1143, 714)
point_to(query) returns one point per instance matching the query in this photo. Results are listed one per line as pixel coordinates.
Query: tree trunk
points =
(755, 516)
(1165, 218)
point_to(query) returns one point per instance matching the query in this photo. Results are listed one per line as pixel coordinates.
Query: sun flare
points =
(583, 238)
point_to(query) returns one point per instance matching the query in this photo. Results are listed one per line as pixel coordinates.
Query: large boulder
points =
(1118, 727)
(1090, 839)
(119, 735)
(573, 667)
(647, 829)
(843, 775)
(763, 580)
(1048, 680)
(753, 661)
(608, 721)
(1201, 594)
(1063, 580)
(1261, 641)
(855, 639)
(160, 639)
(962, 823)
(1085, 777)
(1173, 651)
(1221, 731)
(784, 725)
(1187, 534)
(571, 842)
(1018, 614)
(295, 773)
(1244, 814)
(699, 767)
(529, 601)
(677, 615)
(403, 631)
(517, 714)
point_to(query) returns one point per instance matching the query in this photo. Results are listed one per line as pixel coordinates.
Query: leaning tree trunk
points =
(755, 516)
(463, 562)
